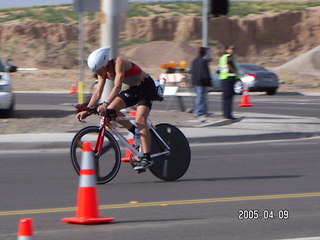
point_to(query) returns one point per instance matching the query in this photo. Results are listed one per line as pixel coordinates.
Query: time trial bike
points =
(170, 150)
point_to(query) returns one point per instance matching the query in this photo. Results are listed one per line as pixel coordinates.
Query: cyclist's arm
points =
(119, 75)
(97, 92)
(94, 98)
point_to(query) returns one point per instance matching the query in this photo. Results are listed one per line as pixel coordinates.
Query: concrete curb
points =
(255, 137)
(60, 144)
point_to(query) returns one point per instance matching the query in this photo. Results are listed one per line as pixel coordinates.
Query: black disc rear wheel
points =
(175, 165)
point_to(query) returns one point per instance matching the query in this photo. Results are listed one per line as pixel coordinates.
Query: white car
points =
(6, 94)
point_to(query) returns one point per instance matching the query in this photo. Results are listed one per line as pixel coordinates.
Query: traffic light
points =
(219, 7)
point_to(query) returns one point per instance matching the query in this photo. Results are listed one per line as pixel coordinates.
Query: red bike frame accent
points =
(99, 144)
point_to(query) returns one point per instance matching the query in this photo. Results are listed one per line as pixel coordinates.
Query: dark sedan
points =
(255, 77)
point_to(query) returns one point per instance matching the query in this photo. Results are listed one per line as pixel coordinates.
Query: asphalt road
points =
(282, 103)
(225, 182)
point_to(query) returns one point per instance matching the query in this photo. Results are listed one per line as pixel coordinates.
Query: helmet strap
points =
(113, 65)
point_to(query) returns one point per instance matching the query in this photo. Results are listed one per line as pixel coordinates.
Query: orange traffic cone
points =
(126, 158)
(87, 211)
(73, 88)
(245, 102)
(133, 113)
(25, 231)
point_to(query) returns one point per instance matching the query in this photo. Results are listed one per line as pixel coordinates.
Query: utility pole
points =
(109, 25)
(82, 6)
(205, 18)
(205, 26)
(109, 30)
(81, 60)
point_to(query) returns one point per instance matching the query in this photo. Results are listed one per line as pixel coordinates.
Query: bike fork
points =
(99, 144)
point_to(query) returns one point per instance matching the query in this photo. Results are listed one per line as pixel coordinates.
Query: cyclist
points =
(142, 91)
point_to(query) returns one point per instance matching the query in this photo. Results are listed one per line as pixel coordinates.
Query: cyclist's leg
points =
(143, 111)
(141, 121)
(146, 93)
(118, 103)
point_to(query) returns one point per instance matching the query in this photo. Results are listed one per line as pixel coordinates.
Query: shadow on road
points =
(42, 113)
(289, 93)
(228, 179)
(240, 178)
(159, 220)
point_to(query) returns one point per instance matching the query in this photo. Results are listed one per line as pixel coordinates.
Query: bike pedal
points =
(141, 171)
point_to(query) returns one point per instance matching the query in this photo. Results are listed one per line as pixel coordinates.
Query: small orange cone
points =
(245, 102)
(73, 87)
(126, 158)
(25, 231)
(133, 113)
(87, 211)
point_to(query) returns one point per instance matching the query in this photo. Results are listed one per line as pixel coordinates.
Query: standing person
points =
(201, 80)
(142, 91)
(228, 76)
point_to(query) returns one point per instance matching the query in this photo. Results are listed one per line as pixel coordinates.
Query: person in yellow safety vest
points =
(228, 76)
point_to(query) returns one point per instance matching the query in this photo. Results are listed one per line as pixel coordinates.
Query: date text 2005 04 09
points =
(255, 214)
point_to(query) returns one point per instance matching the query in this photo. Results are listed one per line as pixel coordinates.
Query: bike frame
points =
(107, 123)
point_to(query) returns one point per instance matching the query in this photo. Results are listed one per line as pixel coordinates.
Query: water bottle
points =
(137, 140)
(162, 84)
(157, 83)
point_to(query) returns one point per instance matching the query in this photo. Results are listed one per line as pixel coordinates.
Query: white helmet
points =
(99, 58)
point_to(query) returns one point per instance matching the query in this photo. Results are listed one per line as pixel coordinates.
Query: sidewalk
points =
(249, 127)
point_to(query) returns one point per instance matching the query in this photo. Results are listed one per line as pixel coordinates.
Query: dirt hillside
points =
(270, 39)
(303, 71)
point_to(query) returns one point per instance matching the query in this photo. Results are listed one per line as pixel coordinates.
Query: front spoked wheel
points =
(107, 163)
(175, 165)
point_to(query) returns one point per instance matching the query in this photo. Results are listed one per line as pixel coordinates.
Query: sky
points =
(26, 3)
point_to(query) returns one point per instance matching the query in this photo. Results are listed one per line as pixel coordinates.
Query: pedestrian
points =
(142, 91)
(201, 80)
(228, 76)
